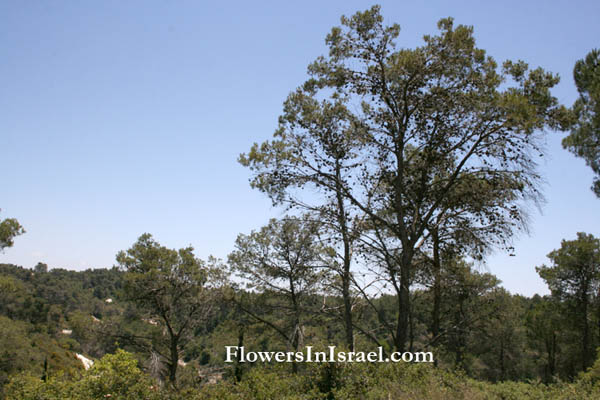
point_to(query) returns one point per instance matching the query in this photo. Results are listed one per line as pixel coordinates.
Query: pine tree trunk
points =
(174, 353)
(346, 277)
(403, 303)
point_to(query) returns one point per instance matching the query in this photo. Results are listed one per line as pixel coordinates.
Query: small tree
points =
(467, 304)
(285, 261)
(574, 278)
(170, 286)
(545, 321)
(315, 147)
(9, 229)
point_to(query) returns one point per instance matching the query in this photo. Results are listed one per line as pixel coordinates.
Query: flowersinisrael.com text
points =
(235, 353)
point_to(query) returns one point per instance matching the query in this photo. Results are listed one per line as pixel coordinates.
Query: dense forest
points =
(400, 171)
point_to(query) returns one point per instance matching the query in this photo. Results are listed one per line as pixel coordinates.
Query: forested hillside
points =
(488, 335)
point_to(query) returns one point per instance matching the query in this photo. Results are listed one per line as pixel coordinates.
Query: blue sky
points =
(119, 118)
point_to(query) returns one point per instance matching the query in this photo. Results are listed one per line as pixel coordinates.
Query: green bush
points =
(115, 376)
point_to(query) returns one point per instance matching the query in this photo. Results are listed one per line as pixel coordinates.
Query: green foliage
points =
(396, 381)
(115, 376)
(23, 349)
(411, 140)
(118, 375)
(286, 263)
(576, 268)
(170, 286)
(573, 278)
(9, 229)
(29, 387)
(584, 139)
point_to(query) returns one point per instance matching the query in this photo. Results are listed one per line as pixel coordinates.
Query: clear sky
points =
(119, 118)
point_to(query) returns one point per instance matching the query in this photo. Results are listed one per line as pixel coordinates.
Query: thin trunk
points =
(349, 325)
(552, 356)
(437, 285)
(411, 332)
(502, 367)
(346, 278)
(407, 247)
(174, 360)
(45, 376)
(586, 330)
(297, 333)
(460, 333)
(459, 353)
(238, 368)
(598, 313)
